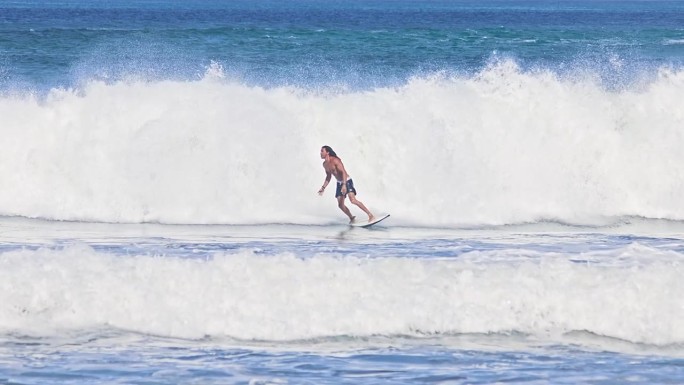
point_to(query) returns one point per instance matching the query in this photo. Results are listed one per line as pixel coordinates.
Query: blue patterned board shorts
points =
(350, 188)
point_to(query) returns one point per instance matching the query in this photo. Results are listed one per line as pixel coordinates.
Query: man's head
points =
(327, 150)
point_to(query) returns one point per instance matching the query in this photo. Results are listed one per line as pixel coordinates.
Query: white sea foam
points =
(505, 146)
(283, 297)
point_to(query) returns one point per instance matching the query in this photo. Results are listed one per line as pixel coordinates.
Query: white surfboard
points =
(364, 223)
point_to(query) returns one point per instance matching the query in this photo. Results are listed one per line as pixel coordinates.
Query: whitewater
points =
(502, 146)
(285, 296)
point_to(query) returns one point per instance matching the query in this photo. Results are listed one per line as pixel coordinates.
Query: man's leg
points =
(354, 201)
(343, 207)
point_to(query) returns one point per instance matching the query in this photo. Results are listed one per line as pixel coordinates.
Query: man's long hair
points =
(330, 151)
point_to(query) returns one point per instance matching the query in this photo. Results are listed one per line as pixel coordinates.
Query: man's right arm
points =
(325, 184)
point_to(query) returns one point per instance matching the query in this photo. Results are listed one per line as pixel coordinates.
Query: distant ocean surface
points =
(159, 222)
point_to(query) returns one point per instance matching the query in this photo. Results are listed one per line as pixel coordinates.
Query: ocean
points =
(159, 215)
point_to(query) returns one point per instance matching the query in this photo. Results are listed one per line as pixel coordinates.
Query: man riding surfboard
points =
(345, 186)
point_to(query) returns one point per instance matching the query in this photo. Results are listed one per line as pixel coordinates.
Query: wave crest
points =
(503, 146)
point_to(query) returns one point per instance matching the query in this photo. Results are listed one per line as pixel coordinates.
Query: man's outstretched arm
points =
(328, 175)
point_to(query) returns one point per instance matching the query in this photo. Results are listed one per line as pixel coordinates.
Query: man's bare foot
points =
(352, 219)
(371, 218)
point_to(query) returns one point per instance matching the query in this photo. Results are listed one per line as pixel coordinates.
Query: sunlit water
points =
(158, 304)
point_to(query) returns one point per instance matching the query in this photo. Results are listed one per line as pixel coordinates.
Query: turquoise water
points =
(159, 222)
(318, 43)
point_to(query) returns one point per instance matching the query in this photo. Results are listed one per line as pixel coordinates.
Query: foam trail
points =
(504, 146)
(283, 297)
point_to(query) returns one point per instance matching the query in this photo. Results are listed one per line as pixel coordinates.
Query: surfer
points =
(345, 186)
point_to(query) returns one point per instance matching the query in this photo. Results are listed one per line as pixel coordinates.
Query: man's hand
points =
(320, 192)
(344, 189)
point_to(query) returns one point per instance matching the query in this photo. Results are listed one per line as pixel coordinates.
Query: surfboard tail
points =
(366, 224)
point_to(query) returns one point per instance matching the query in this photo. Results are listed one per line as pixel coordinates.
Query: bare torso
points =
(333, 166)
